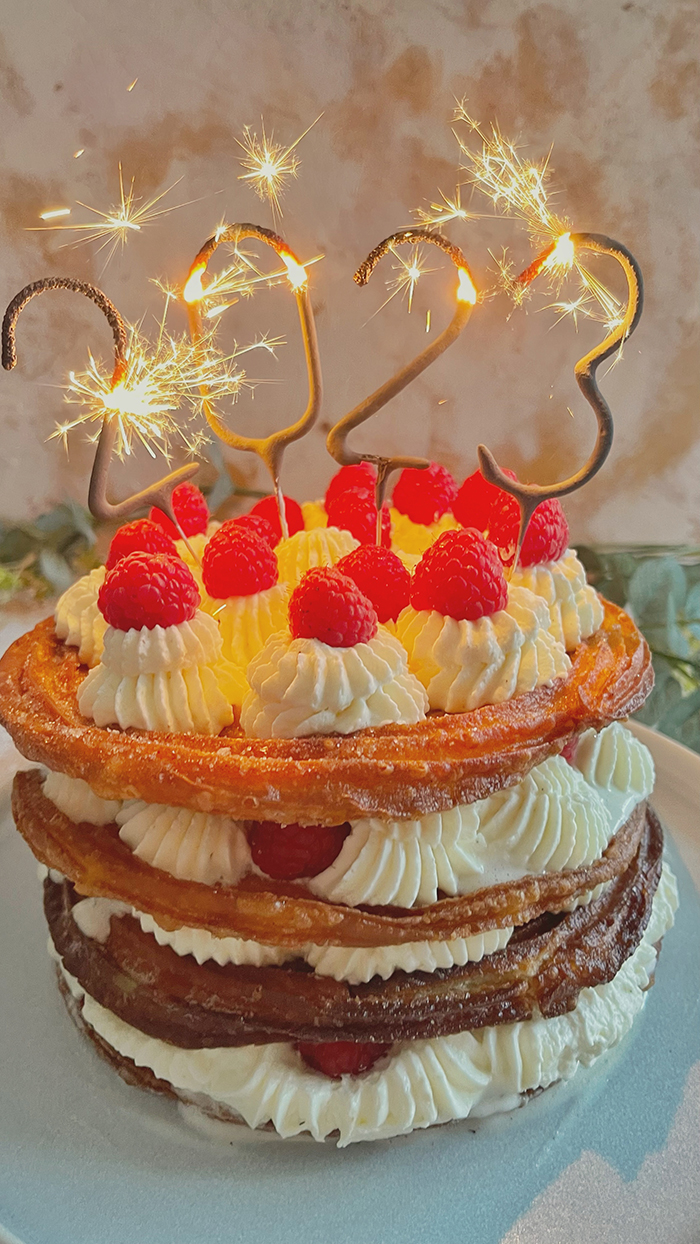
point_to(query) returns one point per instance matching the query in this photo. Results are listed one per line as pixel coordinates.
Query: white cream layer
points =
(163, 679)
(575, 608)
(555, 818)
(419, 1083)
(321, 546)
(78, 621)
(356, 965)
(464, 664)
(301, 687)
(559, 816)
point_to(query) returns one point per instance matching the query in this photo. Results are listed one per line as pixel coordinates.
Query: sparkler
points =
(565, 250)
(466, 297)
(129, 399)
(113, 228)
(270, 448)
(269, 164)
(519, 188)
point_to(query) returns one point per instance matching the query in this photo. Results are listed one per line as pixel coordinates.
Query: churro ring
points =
(194, 1005)
(391, 772)
(98, 863)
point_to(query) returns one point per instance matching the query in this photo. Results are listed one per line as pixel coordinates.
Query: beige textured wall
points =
(613, 84)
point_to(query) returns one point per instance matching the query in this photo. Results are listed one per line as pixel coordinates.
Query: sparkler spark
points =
(239, 280)
(269, 164)
(159, 379)
(114, 227)
(519, 188)
(55, 213)
(409, 271)
(442, 213)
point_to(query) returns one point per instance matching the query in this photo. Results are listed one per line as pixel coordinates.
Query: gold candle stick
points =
(529, 496)
(269, 448)
(466, 296)
(160, 493)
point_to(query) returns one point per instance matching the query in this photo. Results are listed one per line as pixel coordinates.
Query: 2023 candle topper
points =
(466, 297)
(270, 449)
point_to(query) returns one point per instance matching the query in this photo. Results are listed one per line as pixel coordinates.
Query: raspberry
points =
(474, 501)
(546, 538)
(329, 606)
(267, 508)
(237, 562)
(261, 526)
(356, 511)
(425, 495)
(191, 512)
(362, 476)
(460, 576)
(148, 589)
(568, 751)
(143, 536)
(286, 852)
(341, 1058)
(381, 576)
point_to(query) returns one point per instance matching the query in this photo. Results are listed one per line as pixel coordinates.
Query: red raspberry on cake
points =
(147, 590)
(475, 500)
(261, 526)
(267, 508)
(546, 538)
(424, 496)
(142, 536)
(190, 509)
(381, 576)
(460, 576)
(237, 562)
(356, 511)
(330, 607)
(342, 1058)
(362, 476)
(287, 852)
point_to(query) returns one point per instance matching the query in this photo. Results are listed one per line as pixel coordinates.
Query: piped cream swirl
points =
(245, 624)
(575, 608)
(78, 801)
(549, 821)
(195, 846)
(162, 679)
(77, 619)
(464, 664)
(301, 687)
(320, 546)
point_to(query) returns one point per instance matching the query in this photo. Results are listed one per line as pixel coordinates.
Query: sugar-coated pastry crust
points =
(99, 863)
(394, 771)
(190, 1004)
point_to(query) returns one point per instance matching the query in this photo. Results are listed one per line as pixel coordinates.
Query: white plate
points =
(610, 1157)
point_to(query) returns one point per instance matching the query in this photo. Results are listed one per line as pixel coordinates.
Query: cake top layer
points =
(443, 761)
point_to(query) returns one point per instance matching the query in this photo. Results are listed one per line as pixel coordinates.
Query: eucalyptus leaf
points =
(55, 569)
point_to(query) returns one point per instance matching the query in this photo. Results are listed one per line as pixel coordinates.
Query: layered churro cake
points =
(343, 838)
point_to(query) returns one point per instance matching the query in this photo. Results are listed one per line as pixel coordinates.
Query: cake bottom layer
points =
(417, 1084)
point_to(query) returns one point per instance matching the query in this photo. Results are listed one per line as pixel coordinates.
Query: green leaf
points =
(55, 570)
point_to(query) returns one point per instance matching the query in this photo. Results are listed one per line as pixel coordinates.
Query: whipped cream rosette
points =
(575, 608)
(306, 550)
(77, 617)
(335, 672)
(472, 640)
(161, 665)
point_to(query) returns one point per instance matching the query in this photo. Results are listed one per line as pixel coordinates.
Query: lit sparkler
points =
(519, 188)
(439, 214)
(269, 164)
(113, 228)
(128, 399)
